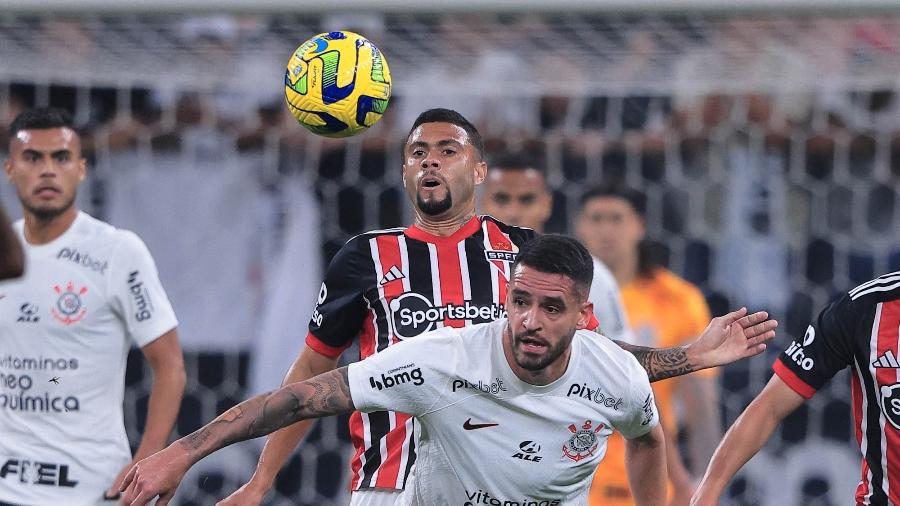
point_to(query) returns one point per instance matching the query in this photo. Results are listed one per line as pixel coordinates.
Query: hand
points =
(702, 498)
(250, 494)
(732, 337)
(157, 475)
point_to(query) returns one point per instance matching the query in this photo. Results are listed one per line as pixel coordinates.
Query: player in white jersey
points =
(515, 192)
(12, 260)
(90, 290)
(514, 412)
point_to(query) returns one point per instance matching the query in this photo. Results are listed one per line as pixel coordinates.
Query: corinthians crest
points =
(69, 306)
(583, 442)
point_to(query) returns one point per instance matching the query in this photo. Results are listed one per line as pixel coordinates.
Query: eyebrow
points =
(52, 153)
(443, 142)
(559, 301)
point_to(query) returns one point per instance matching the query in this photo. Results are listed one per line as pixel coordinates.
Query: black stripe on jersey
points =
(480, 271)
(383, 328)
(419, 269)
(412, 451)
(881, 286)
(379, 425)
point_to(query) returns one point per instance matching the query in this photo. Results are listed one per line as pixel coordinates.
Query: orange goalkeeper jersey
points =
(663, 310)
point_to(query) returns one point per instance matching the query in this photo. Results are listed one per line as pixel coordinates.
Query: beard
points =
(434, 207)
(532, 363)
(48, 213)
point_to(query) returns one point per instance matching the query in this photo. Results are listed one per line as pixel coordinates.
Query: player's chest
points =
(549, 441)
(55, 295)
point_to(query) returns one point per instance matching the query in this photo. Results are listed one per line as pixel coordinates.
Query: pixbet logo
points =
(413, 314)
(796, 352)
(393, 378)
(492, 388)
(594, 394)
(83, 259)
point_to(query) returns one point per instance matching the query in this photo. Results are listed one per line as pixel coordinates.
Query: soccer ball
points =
(337, 84)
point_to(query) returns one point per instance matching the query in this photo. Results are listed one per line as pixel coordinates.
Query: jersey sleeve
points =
(642, 414)
(341, 306)
(408, 377)
(826, 348)
(608, 307)
(136, 293)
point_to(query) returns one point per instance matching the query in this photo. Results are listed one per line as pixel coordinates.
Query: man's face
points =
(517, 197)
(544, 310)
(610, 228)
(441, 170)
(46, 168)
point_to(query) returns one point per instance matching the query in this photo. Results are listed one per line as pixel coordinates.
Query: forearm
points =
(677, 472)
(663, 363)
(281, 443)
(645, 461)
(748, 434)
(162, 408)
(700, 395)
(325, 395)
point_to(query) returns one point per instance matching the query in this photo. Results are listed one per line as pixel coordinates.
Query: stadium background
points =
(767, 135)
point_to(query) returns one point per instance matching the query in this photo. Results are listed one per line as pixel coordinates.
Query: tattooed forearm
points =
(661, 363)
(324, 395)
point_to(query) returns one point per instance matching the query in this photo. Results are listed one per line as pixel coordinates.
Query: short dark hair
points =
(450, 116)
(559, 254)
(515, 162)
(635, 198)
(41, 118)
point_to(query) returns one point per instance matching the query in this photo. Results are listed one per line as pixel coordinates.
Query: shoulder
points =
(359, 246)
(600, 351)
(602, 274)
(518, 235)
(119, 240)
(677, 287)
(881, 289)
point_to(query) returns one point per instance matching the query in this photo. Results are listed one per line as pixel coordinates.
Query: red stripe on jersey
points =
(792, 380)
(329, 351)
(499, 241)
(888, 336)
(389, 256)
(390, 467)
(451, 279)
(356, 437)
(856, 394)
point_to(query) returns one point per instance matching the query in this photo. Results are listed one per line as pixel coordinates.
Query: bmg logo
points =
(398, 378)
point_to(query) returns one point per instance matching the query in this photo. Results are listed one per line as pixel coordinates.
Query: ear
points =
(403, 174)
(82, 169)
(7, 168)
(480, 172)
(585, 316)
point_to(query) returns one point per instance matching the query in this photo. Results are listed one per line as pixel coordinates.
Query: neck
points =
(43, 230)
(538, 377)
(625, 270)
(443, 226)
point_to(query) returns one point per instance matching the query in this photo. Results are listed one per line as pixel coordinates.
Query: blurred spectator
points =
(664, 310)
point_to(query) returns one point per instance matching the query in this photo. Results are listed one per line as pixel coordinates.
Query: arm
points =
(645, 460)
(748, 434)
(682, 483)
(281, 444)
(159, 475)
(12, 259)
(700, 396)
(167, 362)
(726, 339)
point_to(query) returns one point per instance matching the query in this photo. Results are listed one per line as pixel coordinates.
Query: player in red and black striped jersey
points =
(450, 268)
(857, 330)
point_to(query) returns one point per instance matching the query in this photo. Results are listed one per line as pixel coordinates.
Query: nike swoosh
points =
(468, 425)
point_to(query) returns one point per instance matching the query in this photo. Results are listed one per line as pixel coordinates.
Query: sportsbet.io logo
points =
(413, 314)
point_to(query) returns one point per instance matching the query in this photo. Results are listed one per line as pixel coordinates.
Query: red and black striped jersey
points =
(861, 329)
(389, 285)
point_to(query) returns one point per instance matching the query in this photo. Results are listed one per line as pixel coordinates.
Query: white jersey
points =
(608, 307)
(485, 436)
(65, 330)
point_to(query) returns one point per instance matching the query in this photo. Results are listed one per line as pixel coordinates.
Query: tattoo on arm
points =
(661, 363)
(324, 395)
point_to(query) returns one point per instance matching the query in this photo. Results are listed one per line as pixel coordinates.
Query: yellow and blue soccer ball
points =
(337, 84)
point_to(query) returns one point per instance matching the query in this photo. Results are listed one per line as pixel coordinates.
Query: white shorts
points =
(377, 497)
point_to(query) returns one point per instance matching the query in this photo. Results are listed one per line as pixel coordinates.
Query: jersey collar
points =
(472, 226)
